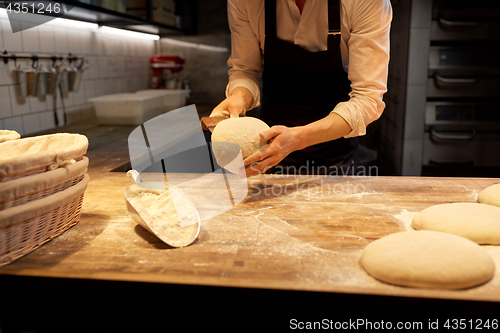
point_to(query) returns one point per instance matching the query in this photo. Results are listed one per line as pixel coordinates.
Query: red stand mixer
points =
(159, 63)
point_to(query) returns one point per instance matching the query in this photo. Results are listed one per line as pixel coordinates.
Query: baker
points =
(324, 68)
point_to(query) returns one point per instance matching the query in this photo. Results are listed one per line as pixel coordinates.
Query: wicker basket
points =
(26, 227)
(23, 157)
(25, 189)
(6, 135)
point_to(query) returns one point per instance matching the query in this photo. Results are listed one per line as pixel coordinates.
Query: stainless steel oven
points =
(464, 71)
(462, 116)
(462, 135)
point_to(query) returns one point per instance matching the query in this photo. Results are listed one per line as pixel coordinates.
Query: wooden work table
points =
(296, 234)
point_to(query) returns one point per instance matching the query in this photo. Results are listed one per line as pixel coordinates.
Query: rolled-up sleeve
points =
(246, 56)
(368, 48)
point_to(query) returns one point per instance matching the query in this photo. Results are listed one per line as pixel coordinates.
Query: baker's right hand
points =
(234, 105)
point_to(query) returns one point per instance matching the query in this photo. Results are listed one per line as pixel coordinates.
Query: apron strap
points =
(334, 17)
(270, 17)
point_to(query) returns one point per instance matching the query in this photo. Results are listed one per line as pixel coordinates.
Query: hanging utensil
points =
(75, 76)
(51, 81)
(21, 85)
(42, 81)
(64, 79)
(62, 102)
(32, 79)
(54, 84)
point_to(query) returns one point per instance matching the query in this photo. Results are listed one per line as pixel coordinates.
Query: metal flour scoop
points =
(166, 213)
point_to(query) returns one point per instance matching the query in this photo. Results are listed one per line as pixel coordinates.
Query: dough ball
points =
(490, 195)
(477, 222)
(233, 135)
(427, 259)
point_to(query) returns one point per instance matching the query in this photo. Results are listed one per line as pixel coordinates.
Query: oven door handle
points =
(457, 24)
(436, 136)
(456, 80)
(452, 163)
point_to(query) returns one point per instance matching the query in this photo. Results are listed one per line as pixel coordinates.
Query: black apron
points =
(300, 87)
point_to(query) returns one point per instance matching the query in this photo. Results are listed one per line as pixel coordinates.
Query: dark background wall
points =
(206, 54)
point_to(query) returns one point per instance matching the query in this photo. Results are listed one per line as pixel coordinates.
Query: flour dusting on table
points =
(406, 217)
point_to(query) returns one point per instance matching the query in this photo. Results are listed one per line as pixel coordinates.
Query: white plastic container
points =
(172, 98)
(127, 109)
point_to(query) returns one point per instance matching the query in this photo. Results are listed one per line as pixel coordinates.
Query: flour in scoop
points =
(169, 213)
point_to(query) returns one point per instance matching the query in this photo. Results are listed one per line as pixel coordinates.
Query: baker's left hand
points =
(282, 141)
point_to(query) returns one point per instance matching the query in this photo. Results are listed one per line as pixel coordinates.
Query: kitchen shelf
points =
(103, 16)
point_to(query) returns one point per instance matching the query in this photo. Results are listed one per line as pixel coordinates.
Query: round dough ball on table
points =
(428, 259)
(490, 195)
(233, 135)
(478, 222)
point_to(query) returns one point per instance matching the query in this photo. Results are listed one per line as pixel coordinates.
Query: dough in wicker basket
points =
(40, 153)
(6, 135)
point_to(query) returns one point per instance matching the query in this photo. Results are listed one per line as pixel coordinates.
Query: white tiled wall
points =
(118, 64)
(206, 69)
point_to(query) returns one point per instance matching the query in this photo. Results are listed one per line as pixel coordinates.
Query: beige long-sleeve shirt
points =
(364, 47)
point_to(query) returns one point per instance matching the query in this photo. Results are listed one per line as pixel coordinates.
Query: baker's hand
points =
(283, 141)
(231, 107)
(234, 105)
